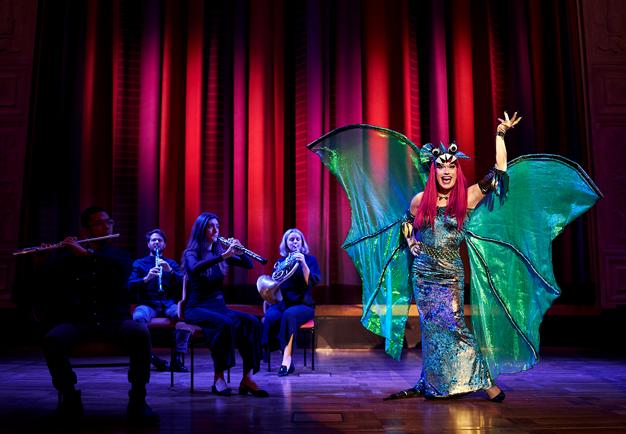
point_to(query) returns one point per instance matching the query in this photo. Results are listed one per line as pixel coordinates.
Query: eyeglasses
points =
(103, 222)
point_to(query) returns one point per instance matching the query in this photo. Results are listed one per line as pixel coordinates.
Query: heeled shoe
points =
(244, 389)
(159, 364)
(499, 397)
(224, 392)
(284, 371)
(411, 392)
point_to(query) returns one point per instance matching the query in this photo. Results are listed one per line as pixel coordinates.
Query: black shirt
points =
(92, 288)
(148, 293)
(205, 276)
(295, 290)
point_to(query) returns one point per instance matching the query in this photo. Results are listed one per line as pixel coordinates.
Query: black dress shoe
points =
(69, 412)
(178, 365)
(499, 397)
(284, 371)
(224, 392)
(244, 389)
(159, 364)
(404, 394)
(140, 413)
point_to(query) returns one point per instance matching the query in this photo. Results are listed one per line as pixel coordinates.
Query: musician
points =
(156, 283)
(92, 300)
(283, 319)
(206, 262)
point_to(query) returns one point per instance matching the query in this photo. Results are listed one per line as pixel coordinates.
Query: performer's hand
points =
(506, 123)
(154, 272)
(164, 265)
(235, 248)
(299, 257)
(415, 249)
(302, 260)
(72, 244)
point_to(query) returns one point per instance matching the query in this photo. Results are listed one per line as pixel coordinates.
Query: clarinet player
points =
(156, 284)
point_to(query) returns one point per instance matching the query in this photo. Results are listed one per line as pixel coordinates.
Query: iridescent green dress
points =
(509, 242)
(453, 362)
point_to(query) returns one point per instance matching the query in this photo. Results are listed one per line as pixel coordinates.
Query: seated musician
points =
(283, 319)
(206, 262)
(92, 302)
(156, 284)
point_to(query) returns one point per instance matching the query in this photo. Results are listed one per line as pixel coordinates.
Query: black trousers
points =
(282, 322)
(134, 337)
(226, 330)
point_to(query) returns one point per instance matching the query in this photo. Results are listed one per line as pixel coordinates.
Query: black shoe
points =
(404, 394)
(224, 392)
(244, 389)
(499, 397)
(140, 413)
(178, 365)
(159, 364)
(283, 371)
(70, 410)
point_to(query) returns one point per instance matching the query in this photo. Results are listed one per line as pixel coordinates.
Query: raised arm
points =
(476, 192)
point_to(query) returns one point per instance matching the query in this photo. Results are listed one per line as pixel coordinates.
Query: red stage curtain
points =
(164, 109)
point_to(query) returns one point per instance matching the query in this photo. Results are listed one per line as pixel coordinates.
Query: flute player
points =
(91, 299)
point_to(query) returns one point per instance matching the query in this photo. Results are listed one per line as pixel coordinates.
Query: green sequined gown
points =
(453, 362)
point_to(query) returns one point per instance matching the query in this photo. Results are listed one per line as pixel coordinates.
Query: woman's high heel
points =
(284, 371)
(499, 397)
(223, 392)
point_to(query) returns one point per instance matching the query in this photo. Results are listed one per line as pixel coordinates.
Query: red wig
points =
(457, 201)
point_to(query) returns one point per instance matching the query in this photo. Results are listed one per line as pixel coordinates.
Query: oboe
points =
(245, 251)
(157, 258)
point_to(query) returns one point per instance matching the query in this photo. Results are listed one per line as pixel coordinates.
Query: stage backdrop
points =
(159, 110)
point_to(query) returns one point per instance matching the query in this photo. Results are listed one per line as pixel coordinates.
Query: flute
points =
(245, 251)
(61, 244)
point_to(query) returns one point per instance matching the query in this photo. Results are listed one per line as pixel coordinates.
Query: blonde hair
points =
(284, 250)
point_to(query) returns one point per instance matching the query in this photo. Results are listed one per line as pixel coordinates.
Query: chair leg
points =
(267, 356)
(304, 349)
(191, 371)
(313, 346)
(172, 366)
(228, 375)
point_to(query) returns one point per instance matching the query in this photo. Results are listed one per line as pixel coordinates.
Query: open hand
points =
(507, 123)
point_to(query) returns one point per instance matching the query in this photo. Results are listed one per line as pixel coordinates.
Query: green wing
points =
(510, 249)
(380, 172)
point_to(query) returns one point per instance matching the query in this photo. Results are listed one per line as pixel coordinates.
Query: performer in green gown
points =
(509, 242)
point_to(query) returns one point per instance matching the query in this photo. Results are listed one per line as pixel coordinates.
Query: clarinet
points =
(157, 257)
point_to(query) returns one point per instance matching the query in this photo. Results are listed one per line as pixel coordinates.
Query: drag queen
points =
(453, 363)
(508, 222)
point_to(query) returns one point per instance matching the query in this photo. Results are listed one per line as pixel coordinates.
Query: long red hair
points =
(457, 201)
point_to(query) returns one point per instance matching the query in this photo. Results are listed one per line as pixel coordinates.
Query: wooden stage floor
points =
(565, 393)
